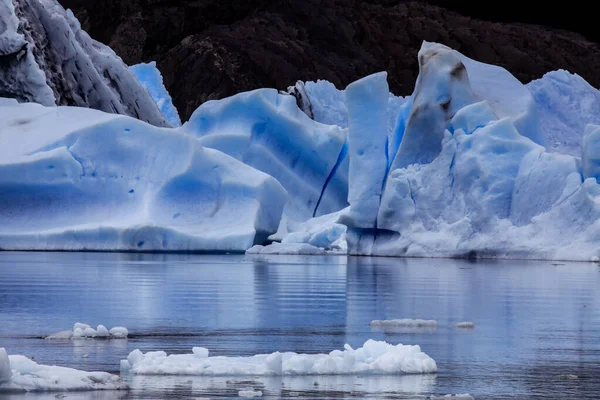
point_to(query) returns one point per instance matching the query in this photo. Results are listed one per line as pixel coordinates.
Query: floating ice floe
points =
(20, 374)
(250, 393)
(374, 358)
(81, 331)
(405, 322)
(465, 325)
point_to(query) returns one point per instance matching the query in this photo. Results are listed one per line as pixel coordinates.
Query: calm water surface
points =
(535, 321)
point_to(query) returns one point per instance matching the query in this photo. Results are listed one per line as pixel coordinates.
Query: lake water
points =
(535, 322)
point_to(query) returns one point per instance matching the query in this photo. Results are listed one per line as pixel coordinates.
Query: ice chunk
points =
(465, 396)
(201, 352)
(366, 100)
(405, 322)
(250, 393)
(373, 358)
(102, 331)
(29, 376)
(77, 333)
(591, 152)
(5, 370)
(75, 179)
(90, 332)
(79, 325)
(465, 325)
(119, 332)
(150, 77)
(566, 104)
(595, 259)
(267, 131)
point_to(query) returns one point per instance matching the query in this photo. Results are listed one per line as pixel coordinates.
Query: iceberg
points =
(150, 78)
(266, 130)
(48, 59)
(81, 179)
(374, 358)
(469, 174)
(20, 374)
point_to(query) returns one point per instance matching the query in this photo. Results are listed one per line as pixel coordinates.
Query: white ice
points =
(250, 393)
(150, 77)
(373, 358)
(82, 331)
(465, 396)
(81, 179)
(20, 374)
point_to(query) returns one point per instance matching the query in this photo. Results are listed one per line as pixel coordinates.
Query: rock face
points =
(46, 58)
(223, 47)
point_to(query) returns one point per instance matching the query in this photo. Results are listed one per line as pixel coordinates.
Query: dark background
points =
(210, 49)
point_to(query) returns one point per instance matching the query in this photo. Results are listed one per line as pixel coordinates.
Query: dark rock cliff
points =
(209, 49)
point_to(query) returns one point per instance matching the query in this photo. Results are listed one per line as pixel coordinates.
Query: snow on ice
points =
(20, 374)
(374, 358)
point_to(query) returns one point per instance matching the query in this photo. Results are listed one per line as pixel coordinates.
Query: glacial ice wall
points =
(47, 58)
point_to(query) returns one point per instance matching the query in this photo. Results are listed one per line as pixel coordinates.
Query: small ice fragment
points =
(200, 352)
(465, 396)
(119, 332)
(250, 393)
(5, 370)
(411, 323)
(568, 377)
(465, 325)
(85, 356)
(595, 259)
(90, 332)
(79, 325)
(102, 331)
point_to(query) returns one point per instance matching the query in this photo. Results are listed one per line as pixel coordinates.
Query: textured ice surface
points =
(48, 59)
(373, 358)
(266, 130)
(25, 375)
(80, 179)
(150, 77)
(566, 104)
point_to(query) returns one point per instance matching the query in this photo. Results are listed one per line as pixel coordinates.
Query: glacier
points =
(48, 59)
